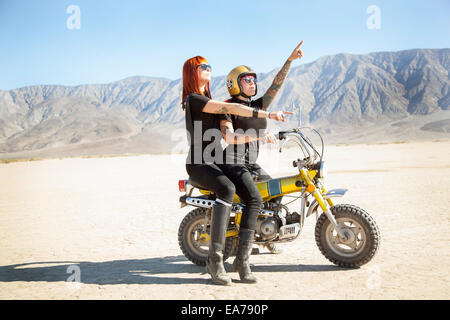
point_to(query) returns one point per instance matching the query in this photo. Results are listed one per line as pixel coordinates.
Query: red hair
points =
(191, 83)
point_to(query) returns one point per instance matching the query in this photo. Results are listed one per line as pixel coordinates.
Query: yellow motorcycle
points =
(345, 234)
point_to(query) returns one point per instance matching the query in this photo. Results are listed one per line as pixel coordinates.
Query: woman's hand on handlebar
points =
(269, 138)
(279, 115)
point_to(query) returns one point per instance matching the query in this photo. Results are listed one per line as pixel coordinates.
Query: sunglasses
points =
(205, 66)
(249, 79)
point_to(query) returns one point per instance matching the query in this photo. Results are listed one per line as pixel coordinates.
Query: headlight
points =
(323, 170)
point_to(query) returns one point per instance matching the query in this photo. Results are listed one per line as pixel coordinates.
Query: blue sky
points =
(118, 39)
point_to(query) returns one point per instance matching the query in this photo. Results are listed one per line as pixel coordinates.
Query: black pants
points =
(226, 180)
(255, 168)
(260, 172)
(247, 191)
(214, 179)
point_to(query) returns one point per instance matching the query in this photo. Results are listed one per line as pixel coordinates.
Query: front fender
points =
(334, 193)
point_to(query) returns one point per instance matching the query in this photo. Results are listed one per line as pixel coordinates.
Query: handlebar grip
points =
(282, 135)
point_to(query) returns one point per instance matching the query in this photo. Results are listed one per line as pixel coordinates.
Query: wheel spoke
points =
(353, 245)
(357, 234)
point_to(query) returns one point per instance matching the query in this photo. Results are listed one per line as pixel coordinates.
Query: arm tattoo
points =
(227, 132)
(223, 110)
(276, 85)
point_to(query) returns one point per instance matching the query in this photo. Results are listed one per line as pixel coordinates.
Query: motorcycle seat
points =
(195, 184)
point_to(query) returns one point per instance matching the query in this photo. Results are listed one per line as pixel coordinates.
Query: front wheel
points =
(362, 236)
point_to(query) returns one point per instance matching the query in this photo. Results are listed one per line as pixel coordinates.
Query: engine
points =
(266, 227)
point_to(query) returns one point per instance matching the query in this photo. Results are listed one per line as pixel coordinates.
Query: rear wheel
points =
(362, 237)
(195, 247)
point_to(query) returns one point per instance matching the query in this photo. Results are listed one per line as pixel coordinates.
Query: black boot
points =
(214, 262)
(241, 262)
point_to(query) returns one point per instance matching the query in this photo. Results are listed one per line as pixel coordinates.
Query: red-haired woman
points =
(205, 158)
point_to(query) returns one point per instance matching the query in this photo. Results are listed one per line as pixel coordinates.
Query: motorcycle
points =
(345, 234)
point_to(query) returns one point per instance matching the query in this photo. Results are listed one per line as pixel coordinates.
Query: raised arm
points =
(280, 77)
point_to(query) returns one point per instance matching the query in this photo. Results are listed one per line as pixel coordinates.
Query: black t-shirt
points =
(247, 153)
(203, 131)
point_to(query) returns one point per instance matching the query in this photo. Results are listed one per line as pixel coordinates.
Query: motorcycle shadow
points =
(133, 271)
(297, 268)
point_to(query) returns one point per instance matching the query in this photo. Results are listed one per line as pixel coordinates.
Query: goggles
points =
(249, 79)
(205, 66)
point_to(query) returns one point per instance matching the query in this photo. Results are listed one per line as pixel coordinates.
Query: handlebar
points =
(305, 145)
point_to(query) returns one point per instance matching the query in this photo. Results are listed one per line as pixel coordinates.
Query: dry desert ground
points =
(106, 228)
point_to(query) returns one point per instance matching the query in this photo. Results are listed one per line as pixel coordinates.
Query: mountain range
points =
(381, 96)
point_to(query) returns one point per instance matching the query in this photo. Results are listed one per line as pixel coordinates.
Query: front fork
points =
(325, 204)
